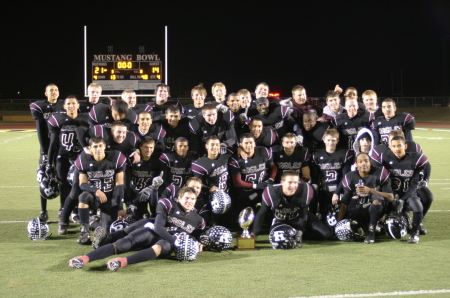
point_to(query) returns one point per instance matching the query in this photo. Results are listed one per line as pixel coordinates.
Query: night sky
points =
(363, 44)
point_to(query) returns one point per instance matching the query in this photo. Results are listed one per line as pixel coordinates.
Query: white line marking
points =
(16, 138)
(432, 129)
(438, 210)
(4, 186)
(400, 293)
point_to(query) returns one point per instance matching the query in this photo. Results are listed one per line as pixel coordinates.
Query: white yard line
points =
(399, 293)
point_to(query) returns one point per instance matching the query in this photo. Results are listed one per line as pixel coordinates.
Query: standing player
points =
(372, 187)
(101, 181)
(41, 111)
(329, 166)
(219, 91)
(64, 146)
(313, 131)
(198, 95)
(264, 136)
(333, 107)
(391, 121)
(370, 101)
(289, 203)
(172, 219)
(94, 93)
(158, 107)
(405, 169)
(105, 115)
(174, 127)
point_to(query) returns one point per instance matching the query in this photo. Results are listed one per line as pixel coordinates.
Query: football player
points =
(41, 111)
(153, 240)
(351, 122)
(312, 131)
(333, 106)
(302, 104)
(252, 170)
(64, 146)
(105, 115)
(158, 107)
(212, 123)
(198, 95)
(289, 203)
(264, 136)
(390, 121)
(177, 164)
(101, 181)
(406, 169)
(370, 101)
(219, 91)
(328, 167)
(371, 187)
(174, 127)
(94, 97)
(212, 169)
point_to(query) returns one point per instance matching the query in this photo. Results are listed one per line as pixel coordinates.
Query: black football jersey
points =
(65, 127)
(278, 119)
(202, 205)
(330, 167)
(190, 111)
(40, 111)
(313, 139)
(375, 153)
(296, 161)
(285, 208)
(158, 111)
(349, 127)
(101, 174)
(254, 169)
(404, 170)
(171, 134)
(212, 172)
(86, 106)
(126, 147)
(176, 169)
(223, 129)
(177, 220)
(378, 179)
(403, 121)
(142, 173)
(101, 114)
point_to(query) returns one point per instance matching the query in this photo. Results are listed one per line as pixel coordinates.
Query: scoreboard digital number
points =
(119, 72)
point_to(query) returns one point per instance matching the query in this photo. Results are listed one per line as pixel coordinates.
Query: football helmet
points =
(118, 225)
(49, 188)
(71, 174)
(283, 237)
(396, 226)
(38, 229)
(217, 238)
(186, 248)
(220, 202)
(349, 230)
(332, 215)
(40, 174)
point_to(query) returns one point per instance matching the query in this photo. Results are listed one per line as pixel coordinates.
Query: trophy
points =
(246, 241)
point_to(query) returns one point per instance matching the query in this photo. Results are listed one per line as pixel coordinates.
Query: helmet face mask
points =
(220, 202)
(38, 230)
(283, 237)
(332, 215)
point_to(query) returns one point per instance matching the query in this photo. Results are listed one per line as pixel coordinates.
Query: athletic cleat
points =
(60, 213)
(43, 216)
(299, 239)
(370, 239)
(76, 262)
(99, 237)
(62, 228)
(113, 265)
(422, 230)
(84, 238)
(75, 218)
(414, 238)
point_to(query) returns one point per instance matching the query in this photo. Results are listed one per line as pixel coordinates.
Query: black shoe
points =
(299, 239)
(113, 265)
(99, 237)
(60, 213)
(422, 230)
(85, 236)
(43, 216)
(62, 228)
(370, 239)
(76, 263)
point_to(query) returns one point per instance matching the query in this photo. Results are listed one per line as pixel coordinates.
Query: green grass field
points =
(39, 269)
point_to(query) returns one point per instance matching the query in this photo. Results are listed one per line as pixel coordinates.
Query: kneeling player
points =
(289, 203)
(370, 187)
(152, 240)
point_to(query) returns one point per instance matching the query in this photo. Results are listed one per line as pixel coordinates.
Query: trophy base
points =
(246, 243)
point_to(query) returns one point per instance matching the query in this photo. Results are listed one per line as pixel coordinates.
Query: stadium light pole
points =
(166, 79)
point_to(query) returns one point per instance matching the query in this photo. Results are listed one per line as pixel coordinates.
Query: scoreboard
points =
(128, 71)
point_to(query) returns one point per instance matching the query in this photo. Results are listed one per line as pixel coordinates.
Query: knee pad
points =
(86, 198)
(123, 245)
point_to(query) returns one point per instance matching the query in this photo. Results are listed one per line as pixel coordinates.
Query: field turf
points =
(39, 269)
